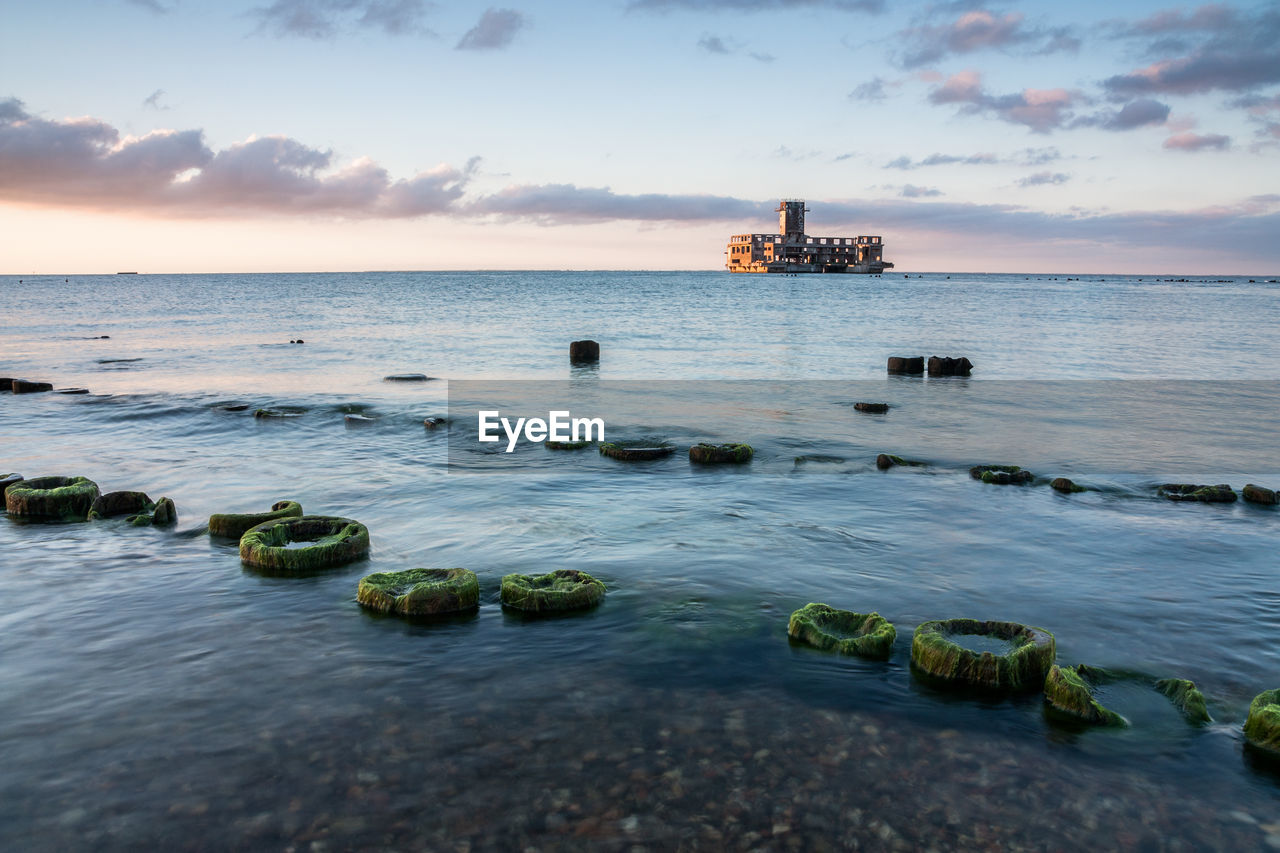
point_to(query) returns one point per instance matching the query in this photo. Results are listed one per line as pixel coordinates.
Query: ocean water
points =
(156, 693)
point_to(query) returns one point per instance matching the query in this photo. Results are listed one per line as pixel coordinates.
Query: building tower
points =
(791, 219)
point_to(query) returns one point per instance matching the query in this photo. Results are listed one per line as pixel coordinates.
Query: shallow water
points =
(155, 693)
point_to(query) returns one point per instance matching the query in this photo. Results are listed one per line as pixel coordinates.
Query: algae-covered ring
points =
(1024, 666)
(234, 525)
(636, 452)
(8, 480)
(1262, 728)
(51, 498)
(563, 589)
(735, 454)
(333, 540)
(866, 634)
(406, 377)
(419, 592)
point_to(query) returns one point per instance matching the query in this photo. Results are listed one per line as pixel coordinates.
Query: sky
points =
(342, 135)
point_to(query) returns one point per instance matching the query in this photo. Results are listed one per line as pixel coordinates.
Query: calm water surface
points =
(154, 693)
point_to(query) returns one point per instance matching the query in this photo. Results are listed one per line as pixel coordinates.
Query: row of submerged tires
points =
(1026, 662)
(78, 499)
(284, 540)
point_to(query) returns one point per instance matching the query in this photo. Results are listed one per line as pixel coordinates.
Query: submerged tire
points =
(871, 408)
(1259, 495)
(234, 525)
(629, 452)
(1186, 697)
(1001, 475)
(1068, 694)
(420, 592)
(563, 589)
(51, 498)
(8, 480)
(865, 634)
(568, 445)
(707, 454)
(1221, 493)
(1023, 667)
(1262, 728)
(120, 503)
(335, 541)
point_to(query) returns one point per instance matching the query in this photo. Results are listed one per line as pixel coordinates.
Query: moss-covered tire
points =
(8, 480)
(420, 592)
(1221, 493)
(708, 454)
(629, 452)
(563, 589)
(1068, 694)
(1023, 667)
(234, 525)
(335, 541)
(51, 498)
(1001, 475)
(866, 634)
(1186, 697)
(1262, 728)
(120, 503)
(568, 445)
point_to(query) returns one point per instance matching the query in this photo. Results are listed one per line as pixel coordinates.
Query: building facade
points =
(793, 251)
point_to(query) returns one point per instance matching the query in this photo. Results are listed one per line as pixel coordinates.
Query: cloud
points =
(873, 6)
(494, 31)
(905, 162)
(979, 29)
(762, 57)
(151, 6)
(1041, 110)
(872, 90)
(1220, 49)
(322, 19)
(1197, 142)
(713, 44)
(558, 204)
(153, 100)
(1243, 230)
(1040, 179)
(1137, 113)
(87, 163)
(913, 191)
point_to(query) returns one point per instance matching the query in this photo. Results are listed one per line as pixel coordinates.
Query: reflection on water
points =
(158, 695)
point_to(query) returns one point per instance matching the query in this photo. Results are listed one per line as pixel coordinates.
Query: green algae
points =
(1001, 475)
(1022, 668)
(636, 451)
(1068, 694)
(1062, 484)
(333, 541)
(886, 461)
(1262, 727)
(234, 525)
(1186, 697)
(51, 498)
(562, 589)
(733, 453)
(863, 634)
(420, 592)
(1221, 493)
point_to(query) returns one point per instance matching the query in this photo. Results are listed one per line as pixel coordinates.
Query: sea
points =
(156, 693)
